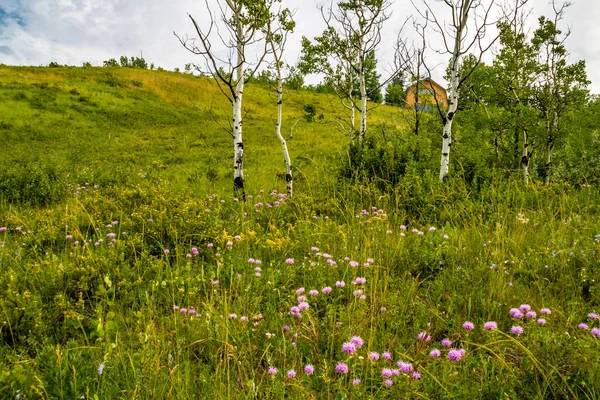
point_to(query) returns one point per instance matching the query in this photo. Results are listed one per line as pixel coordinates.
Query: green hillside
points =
(129, 271)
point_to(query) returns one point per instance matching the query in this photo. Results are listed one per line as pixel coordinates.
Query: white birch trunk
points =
(447, 132)
(526, 157)
(363, 97)
(238, 143)
(286, 154)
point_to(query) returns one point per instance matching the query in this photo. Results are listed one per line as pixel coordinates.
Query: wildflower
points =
(541, 321)
(432, 229)
(513, 311)
(490, 326)
(595, 332)
(303, 306)
(3, 229)
(593, 316)
(531, 314)
(405, 367)
(349, 348)
(309, 369)
(403, 227)
(435, 353)
(424, 337)
(370, 260)
(516, 330)
(518, 315)
(386, 356)
(454, 355)
(195, 251)
(69, 237)
(416, 375)
(100, 368)
(396, 372)
(192, 311)
(272, 371)
(356, 382)
(210, 245)
(446, 343)
(383, 309)
(525, 307)
(215, 282)
(446, 237)
(251, 260)
(166, 251)
(188, 255)
(545, 311)
(300, 291)
(183, 310)
(359, 281)
(291, 373)
(469, 326)
(326, 290)
(374, 356)
(289, 261)
(313, 292)
(175, 308)
(388, 382)
(357, 341)
(340, 284)
(229, 243)
(353, 264)
(341, 368)
(301, 299)
(582, 326)
(314, 249)
(386, 372)
(232, 316)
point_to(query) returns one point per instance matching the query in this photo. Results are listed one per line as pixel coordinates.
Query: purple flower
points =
(356, 382)
(595, 332)
(545, 311)
(582, 326)
(100, 368)
(531, 314)
(229, 243)
(416, 375)
(386, 372)
(309, 369)
(386, 356)
(541, 321)
(516, 330)
(341, 368)
(210, 245)
(593, 316)
(446, 343)
(388, 382)
(518, 314)
(289, 261)
(396, 372)
(69, 237)
(353, 264)
(166, 251)
(374, 356)
(525, 307)
(469, 326)
(291, 373)
(340, 284)
(357, 341)
(300, 290)
(513, 311)
(313, 292)
(454, 355)
(232, 316)
(349, 348)
(272, 371)
(326, 290)
(435, 353)
(424, 337)
(359, 281)
(490, 326)
(405, 367)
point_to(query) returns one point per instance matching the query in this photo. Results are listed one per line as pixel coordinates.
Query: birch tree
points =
(237, 26)
(353, 32)
(277, 34)
(464, 34)
(559, 84)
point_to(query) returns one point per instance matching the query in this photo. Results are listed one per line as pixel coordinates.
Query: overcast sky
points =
(36, 32)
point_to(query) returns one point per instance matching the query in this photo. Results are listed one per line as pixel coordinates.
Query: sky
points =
(36, 32)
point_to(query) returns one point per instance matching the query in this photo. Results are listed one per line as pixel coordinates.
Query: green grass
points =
(145, 148)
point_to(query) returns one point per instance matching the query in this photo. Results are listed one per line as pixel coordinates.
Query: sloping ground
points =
(105, 125)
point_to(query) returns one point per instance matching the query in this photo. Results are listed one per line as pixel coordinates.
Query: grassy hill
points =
(127, 270)
(105, 125)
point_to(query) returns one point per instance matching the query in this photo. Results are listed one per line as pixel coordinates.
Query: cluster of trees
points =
(530, 88)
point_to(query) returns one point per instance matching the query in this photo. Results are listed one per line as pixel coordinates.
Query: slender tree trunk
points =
(526, 157)
(516, 137)
(286, 154)
(363, 103)
(553, 130)
(447, 132)
(238, 143)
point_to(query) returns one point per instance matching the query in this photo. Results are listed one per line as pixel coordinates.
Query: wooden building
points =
(424, 97)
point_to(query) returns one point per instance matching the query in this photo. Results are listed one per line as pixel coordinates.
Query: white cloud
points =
(74, 31)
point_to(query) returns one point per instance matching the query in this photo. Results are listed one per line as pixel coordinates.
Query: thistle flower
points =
(356, 382)
(468, 326)
(545, 311)
(490, 326)
(326, 290)
(353, 264)
(446, 343)
(386, 372)
(593, 316)
(100, 368)
(357, 341)
(374, 356)
(516, 330)
(386, 356)
(291, 373)
(416, 375)
(341, 368)
(313, 292)
(531, 314)
(289, 261)
(388, 382)
(405, 367)
(349, 348)
(435, 353)
(541, 321)
(272, 371)
(454, 355)
(340, 284)
(300, 291)
(424, 336)
(309, 369)
(525, 307)
(582, 326)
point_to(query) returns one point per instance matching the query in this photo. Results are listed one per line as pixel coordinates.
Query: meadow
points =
(128, 270)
